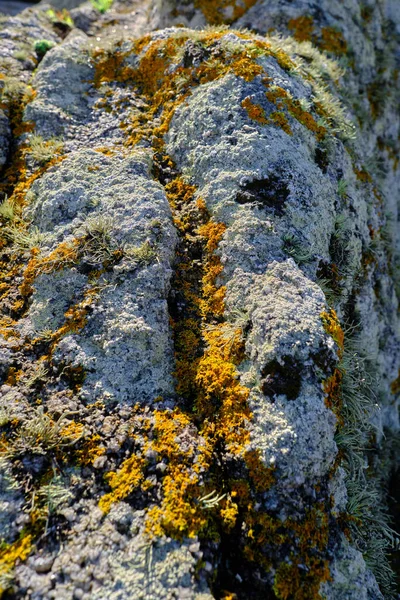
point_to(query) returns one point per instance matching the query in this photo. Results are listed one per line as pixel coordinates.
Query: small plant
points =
(40, 434)
(7, 210)
(60, 16)
(39, 373)
(102, 5)
(342, 188)
(42, 151)
(143, 255)
(21, 55)
(44, 335)
(331, 294)
(211, 500)
(293, 247)
(41, 47)
(14, 89)
(23, 239)
(51, 498)
(98, 247)
(6, 415)
(369, 523)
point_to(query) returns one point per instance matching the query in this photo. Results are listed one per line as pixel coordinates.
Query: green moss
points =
(41, 47)
(102, 5)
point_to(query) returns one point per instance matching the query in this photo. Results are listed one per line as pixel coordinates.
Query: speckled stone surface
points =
(199, 330)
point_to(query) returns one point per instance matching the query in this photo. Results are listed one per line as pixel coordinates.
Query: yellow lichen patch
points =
(246, 68)
(228, 513)
(213, 300)
(254, 111)
(64, 255)
(72, 431)
(106, 150)
(123, 482)
(312, 531)
(76, 316)
(294, 583)
(302, 28)
(218, 12)
(333, 390)
(395, 385)
(164, 85)
(302, 577)
(261, 476)
(363, 175)
(329, 39)
(279, 119)
(333, 41)
(13, 376)
(180, 513)
(108, 66)
(7, 328)
(332, 326)
(305, 118)
(222, 401)
(91, 449)
(282, 99)
(11, 554)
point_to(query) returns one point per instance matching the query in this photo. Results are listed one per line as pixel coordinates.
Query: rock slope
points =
(199, 330)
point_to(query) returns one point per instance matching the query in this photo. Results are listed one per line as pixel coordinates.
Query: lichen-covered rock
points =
(199, 340)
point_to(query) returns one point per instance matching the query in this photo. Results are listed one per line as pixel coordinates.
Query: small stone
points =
(43, 564)
(100, 462)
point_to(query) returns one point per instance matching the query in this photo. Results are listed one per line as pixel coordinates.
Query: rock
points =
(199, 340)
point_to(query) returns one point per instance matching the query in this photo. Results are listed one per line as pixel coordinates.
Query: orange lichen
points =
(261, 476)
(180, 513)
(293, 582)
(395, 385)
(217, 12)
(76, 315)
(7, 328)
(333, 41)
(282, 99)
(279, 119)
(13, 376)
(333, 390)
(164, 88)
(302, 28)
(332, 326)
(222, 400)
(123, 482)
(312, 531)
(213, 301)
(10, 555)
(254, 111)
(64, 255)
(72, 431)
(330, 39)
(90, 450)
(363, 175)
(305, 118)
(246, 68)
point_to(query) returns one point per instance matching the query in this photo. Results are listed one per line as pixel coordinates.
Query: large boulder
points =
(200, 343)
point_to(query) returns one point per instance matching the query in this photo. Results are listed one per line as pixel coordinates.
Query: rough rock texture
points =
(199, 330)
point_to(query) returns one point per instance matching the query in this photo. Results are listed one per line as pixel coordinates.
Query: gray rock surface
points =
(199, 330)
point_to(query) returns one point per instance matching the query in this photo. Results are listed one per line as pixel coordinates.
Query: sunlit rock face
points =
(199, 332)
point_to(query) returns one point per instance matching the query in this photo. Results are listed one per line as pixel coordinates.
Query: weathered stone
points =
(199, 340)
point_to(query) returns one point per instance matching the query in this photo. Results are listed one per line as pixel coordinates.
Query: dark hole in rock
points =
(194, 54)
(321, 158)
(282, 379)
(271, 192)
(324, 359)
